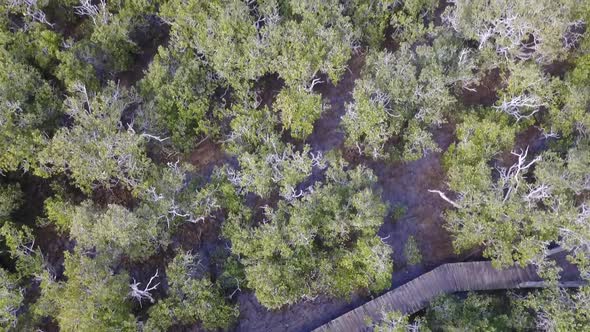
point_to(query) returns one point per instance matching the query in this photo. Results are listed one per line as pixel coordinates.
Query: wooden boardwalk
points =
(448, 278)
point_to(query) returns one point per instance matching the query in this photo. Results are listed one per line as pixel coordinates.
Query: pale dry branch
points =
(145, 293)
(515, 106)
(157, 138)
(98, 13)
(510, 178)
(312, 84)
(443, 196)
(238, 289)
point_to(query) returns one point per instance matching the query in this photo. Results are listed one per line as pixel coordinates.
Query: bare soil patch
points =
(531, 139)
(485, 93)
(148, 37)
(326, 133)
(303, 316)
(206, 156)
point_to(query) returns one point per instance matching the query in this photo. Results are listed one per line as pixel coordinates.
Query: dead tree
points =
(143, 294)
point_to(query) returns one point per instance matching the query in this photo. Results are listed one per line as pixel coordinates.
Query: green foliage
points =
(232, 279)
(409, 19)
(97, 149)
(107, 46)
(274, 164)
(515, 29)
(315, 38)
(28, 108)
(527, 90)
(568, 114)
(92, 299)
(59, 212)
(223, 31)
(549, 309)
(479, 138)
(399, 211)
(208, 198)
(23, 10)
(546, 310)
(11, 198)
(299, 110)
(367, 122)
(581, 73)
(475, 313)
(369, 19)
(115, 231)
(72, 69)
(190, 299)
(238, 39)
(170, 198)
(20, 242)
(412, 251)
(160, 194)
(282, 261)
(135, 7)
(561, 184)
(101, 45)
(297, 228)
(558, 309)
(503, 215)
(265, 161)
(180, 86)
(11, 298)
(418, 142)
(403, 94)
(250, 127)
(394, 321)
(37, 46)
(111, 43)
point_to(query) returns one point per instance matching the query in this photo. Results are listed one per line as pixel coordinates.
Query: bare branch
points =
(293, 194)
(510, 178)
(550, 134)
(313, 83)
(31, 10)
(157, 138)
(238, 289)
(317, 160)
(515, 105)
(98, 13)
(573, 34)
(143, 294)
(443, 196)
(537, 193)
(155, 196)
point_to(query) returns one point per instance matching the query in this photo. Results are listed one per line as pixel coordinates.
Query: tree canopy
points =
(324, 241)
(237, 164)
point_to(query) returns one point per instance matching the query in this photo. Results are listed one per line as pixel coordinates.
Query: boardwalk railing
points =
(448, 278)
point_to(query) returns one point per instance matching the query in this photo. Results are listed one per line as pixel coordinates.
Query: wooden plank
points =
(448, 278)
